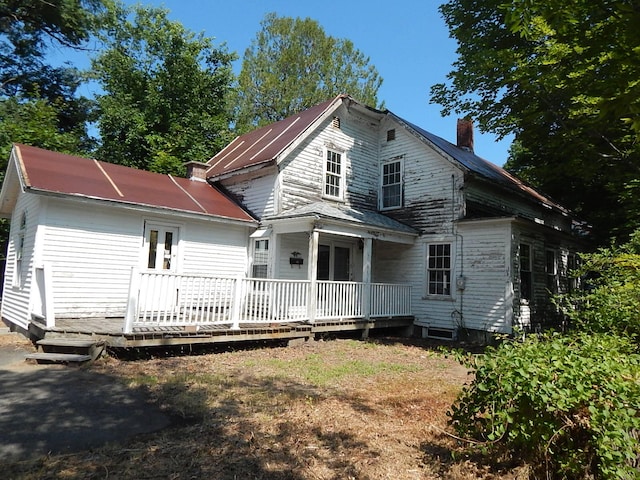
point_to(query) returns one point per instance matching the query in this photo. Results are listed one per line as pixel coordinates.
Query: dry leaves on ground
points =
(339, 409)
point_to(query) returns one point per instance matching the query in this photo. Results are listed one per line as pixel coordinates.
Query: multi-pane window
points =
(391, 194)
(19, 247)
(551, 268)
(572, 265)
(525, 271)
(260, 259)
(334, 175)
(439, 269)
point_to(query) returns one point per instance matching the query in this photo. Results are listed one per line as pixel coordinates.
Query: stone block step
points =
(58, 357)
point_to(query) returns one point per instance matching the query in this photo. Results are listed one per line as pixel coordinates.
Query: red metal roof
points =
(69, 175)
(264, 144)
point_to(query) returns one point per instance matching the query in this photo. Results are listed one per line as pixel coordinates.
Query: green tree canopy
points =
(29, 84)
(164, 93)
(562, 76)
(292, 65)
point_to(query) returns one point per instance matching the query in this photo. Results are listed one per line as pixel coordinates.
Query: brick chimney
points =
(197, 171)
(465, 134)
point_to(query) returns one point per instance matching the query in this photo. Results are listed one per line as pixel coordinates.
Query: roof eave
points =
(141, 206)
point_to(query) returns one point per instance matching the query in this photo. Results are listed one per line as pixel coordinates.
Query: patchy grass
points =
(339, 409)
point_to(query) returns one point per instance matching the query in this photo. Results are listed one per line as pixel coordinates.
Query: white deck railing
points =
(165, 299)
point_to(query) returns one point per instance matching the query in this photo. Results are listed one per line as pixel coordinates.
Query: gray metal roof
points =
(330, 211)
(481, 167)
(263, 146)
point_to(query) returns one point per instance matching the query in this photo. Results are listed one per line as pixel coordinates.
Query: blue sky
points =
(406, 40)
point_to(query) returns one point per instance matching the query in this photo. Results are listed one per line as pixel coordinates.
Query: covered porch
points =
(311, 270)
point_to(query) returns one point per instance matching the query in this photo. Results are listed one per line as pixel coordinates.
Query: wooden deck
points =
(110, 330)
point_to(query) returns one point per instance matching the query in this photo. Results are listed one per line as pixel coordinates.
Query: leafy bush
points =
(568, 405)
(610, 299)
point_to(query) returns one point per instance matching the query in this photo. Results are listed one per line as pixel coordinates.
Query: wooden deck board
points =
(110, 330)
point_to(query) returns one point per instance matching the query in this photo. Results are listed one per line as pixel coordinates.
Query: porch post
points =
(366, 278)
(238, 301)
(50, 316)
(312, 300)
(132, 302)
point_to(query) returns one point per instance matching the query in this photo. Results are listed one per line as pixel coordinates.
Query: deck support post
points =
(237, 304)
(312, 301)
(132, 301)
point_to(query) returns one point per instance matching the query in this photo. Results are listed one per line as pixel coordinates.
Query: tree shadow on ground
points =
(50, 413)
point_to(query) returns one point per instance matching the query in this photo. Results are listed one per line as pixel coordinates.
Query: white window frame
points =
(260, 257)
(434, 267)
(161, 255)
(399, 183)
(551, 273)
(337, 177)
(573, 263)
(19, 251)
(528, 270)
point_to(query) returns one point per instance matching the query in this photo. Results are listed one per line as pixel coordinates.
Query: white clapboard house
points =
(341, 217)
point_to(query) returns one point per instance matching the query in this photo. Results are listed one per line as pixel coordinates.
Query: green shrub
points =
(568, 405)
(610, 300)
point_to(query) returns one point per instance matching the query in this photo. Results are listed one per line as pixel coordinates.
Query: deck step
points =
(66, 342)
(58, 357)
(82, 348)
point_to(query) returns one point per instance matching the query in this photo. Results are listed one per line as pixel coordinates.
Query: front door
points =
(334, 262)
(161, 244)
(160, 256)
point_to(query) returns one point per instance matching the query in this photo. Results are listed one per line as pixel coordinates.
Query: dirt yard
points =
(338, 409)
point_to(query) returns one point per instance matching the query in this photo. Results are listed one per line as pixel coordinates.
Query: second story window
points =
(334, 175)
(391, 189)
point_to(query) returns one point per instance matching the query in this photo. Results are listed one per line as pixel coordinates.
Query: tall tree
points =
(28, 30)
(292, 65)
(561, 76)
(164, 92)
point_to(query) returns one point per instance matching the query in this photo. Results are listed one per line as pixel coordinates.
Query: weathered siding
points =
(92, 248)
(16, 304)
(256, 194)
(542, 310)
(214, 248)
(292, 242)
(489, 201)
(486, 302)
(432, 199)
(302, 172)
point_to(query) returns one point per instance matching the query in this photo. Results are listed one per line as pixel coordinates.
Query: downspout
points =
(457, 315)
